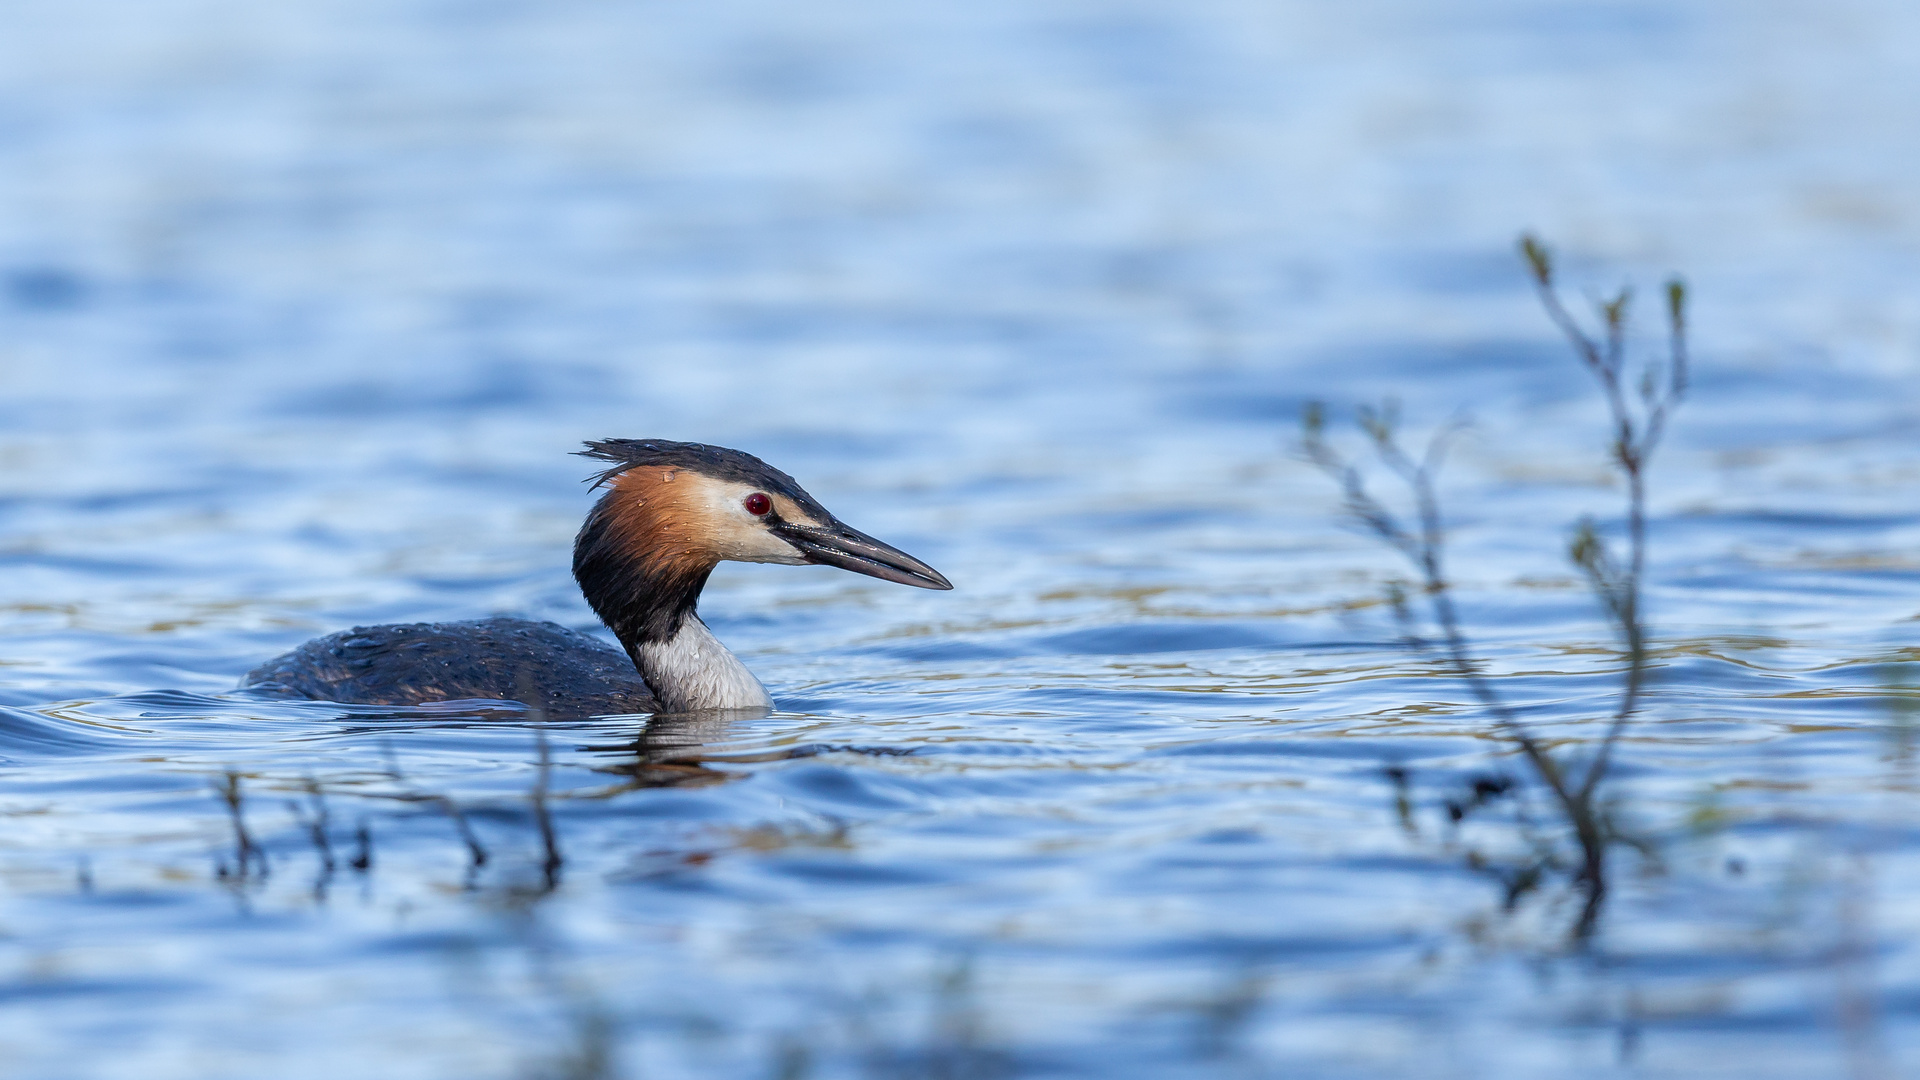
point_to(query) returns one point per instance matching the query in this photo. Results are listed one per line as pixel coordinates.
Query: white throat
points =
(691, 671)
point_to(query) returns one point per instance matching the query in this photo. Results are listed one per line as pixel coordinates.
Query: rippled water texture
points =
(303, 305)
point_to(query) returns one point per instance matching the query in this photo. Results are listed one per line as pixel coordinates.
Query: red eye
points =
(758, 504)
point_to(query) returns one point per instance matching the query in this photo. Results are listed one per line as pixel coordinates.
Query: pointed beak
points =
(835, 544)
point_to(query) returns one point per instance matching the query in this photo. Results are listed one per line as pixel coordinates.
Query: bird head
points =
(674, 510)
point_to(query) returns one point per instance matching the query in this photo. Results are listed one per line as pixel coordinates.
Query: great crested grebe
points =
(671, 513)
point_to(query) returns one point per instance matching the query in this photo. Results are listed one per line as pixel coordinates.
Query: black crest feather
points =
(715, 461)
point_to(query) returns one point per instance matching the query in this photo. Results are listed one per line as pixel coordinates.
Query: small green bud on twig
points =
(1379, 423)
(1615, 310)
(1538, 260)
(1585, 549)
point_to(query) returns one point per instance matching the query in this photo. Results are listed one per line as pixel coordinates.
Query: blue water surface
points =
(304, 304)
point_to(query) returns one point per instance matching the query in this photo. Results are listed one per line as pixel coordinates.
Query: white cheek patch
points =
(731, 531)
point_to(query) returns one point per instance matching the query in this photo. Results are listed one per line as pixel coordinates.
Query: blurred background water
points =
(303, 305)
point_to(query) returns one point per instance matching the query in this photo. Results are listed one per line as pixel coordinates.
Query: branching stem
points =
(1637, 432)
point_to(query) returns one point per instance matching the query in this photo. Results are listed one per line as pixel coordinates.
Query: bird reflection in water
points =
(684, 750)
(670, 751)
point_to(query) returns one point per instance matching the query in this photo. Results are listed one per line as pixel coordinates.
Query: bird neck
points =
(646, 589)
(641, 583)
(692, 671)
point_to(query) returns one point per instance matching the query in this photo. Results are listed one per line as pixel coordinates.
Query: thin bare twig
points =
(246, 852)
(543, 816)
(1616, 584)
